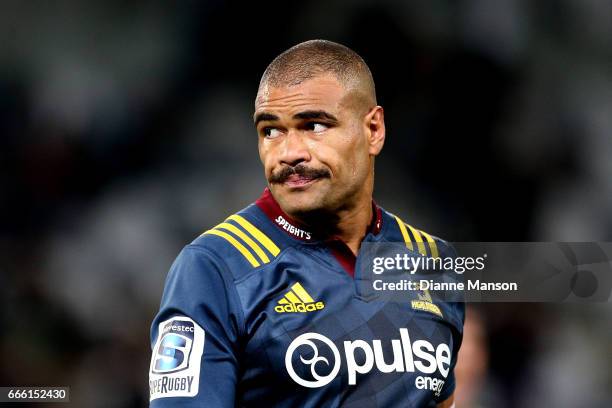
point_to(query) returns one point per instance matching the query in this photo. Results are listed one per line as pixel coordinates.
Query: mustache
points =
(301, 170)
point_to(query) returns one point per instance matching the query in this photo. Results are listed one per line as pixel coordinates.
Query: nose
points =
(294, 150)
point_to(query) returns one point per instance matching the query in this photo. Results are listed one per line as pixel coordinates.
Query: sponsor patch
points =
(292, 229)
(176, 357)
(313, 360)
(425, 303)
(298, 300)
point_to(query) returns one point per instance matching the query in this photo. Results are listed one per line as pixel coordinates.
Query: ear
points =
(375, 129)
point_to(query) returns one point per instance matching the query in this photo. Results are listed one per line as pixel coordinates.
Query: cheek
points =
(355, 150)
(341, 159)
(260, 149)
(360, 167)
(264, 155)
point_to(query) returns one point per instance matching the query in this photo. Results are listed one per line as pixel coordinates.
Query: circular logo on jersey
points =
(306, 340)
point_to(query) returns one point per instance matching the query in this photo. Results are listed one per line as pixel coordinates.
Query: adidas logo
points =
(297, 300)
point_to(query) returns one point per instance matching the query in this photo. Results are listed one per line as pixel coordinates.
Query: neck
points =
(350, 224)
(353, 224)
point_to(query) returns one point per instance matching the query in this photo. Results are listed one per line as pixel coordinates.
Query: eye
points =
(316, 127)
(271, 132)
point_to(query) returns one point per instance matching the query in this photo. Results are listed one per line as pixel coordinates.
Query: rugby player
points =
(265, 309)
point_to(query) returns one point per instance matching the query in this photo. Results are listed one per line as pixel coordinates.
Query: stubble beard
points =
(321, 214)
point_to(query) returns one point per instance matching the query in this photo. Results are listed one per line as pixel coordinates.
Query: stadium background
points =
(125, 131)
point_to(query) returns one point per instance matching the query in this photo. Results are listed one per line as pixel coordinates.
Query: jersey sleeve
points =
(450, 383)
(457, 317)
(195, 335)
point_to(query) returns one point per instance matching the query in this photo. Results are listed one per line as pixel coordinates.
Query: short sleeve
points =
(450, 383)
(194, 336)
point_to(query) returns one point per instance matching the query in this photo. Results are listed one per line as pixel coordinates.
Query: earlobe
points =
(376, 127)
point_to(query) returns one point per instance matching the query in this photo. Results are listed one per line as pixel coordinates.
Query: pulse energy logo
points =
(419, 356)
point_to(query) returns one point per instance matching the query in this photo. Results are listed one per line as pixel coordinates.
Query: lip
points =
(299, 182)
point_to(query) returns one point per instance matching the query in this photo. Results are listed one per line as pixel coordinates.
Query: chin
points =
(300, 208)
(299, 203)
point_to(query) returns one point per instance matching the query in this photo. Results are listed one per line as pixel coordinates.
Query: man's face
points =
(314, 145)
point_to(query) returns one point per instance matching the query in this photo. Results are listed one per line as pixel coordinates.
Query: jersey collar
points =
(294, 229)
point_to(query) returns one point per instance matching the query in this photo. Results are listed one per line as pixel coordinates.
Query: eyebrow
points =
(315, 114)
(310, 114)
(265, 116)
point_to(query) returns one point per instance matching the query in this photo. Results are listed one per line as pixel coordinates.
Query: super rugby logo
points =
(420, 356)
(175, 362)
(174, 347)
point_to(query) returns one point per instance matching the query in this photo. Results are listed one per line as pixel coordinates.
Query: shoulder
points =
(426, 244)
(414, 238)
(240, 243)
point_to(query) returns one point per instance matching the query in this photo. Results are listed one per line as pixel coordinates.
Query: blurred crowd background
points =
(126, 130)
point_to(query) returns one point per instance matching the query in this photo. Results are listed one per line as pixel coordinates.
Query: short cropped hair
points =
(313, 58)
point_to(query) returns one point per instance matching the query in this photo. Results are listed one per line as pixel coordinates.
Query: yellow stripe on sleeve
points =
(417, 237)
(257, 234)
(236, 231)
(432, 244)
(302, 294)
(245, 252)
(402, 228)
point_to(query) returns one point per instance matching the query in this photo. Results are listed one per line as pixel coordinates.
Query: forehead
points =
(323, 92)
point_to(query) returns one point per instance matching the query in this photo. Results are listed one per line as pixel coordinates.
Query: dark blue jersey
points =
(258, 311)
